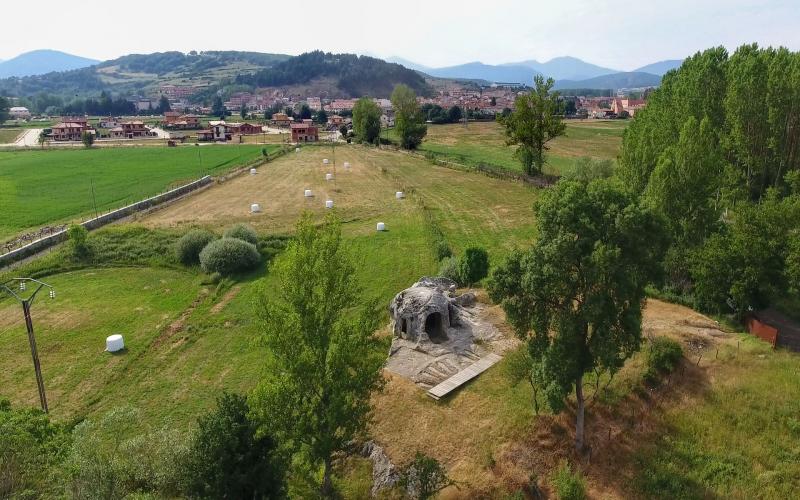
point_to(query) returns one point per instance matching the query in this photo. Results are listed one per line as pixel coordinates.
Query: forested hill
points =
(344, 75)
(354, 75)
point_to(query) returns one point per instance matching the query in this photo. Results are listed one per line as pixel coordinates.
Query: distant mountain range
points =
(39, 62)
(569, 72)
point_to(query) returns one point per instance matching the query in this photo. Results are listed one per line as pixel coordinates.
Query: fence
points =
(61, 235)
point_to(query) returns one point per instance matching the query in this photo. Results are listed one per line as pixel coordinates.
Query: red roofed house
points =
(245, 128)
(304, 132)
(130, 130)
(70, 129)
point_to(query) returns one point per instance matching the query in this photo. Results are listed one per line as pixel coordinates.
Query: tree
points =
(243, 111)
(343, 130)
(576, 296)
(305, 112)
(473, 266)
(454, 114)
(218, 108)
(408, 120)
(533, 123)
(366, 120)
(42, 139)
(229, 458)
(587, 169)
(4, 107)
(323, 362)
(163, 105)
(322, 117)
(88, 139)
(425, 477)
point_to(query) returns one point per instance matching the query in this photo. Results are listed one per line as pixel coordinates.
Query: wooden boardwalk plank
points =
(463, 376)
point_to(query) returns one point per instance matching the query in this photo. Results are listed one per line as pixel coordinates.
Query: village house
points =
(304, 132)
(630, 106)
(70, 130)
(338, 105)
(281, 120)
(108, 122)
(314, 103)
(178, 121)
(19, 113)
(335, 120)
(217, 131)
(244, 128)
(130, 130)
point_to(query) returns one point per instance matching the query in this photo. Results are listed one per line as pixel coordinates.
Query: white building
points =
(19, 113)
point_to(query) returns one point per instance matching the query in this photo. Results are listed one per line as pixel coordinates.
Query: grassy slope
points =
(45, 187)
(483, 142)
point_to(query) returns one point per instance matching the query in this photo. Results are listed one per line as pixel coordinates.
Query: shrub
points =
(473, 266)
(78, 236)
(188, 248)
(87, 139)
(242, 232)
(229, 255)
(569, 485)
(449, 269)
(229, 458)
(663, 355)
(424, 477)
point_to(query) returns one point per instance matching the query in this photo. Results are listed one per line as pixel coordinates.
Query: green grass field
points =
(51, 186)
(728, 428)
(483, 142)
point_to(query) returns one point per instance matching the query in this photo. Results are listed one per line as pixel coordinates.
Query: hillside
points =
(613, 81)
(39, 62)
(352, 75)
(567, 68)
(661, 67)
(345, 75)
(490, 73)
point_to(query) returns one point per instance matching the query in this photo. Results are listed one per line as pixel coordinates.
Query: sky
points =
(620, 34)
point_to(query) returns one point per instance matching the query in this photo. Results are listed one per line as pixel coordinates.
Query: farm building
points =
(304, 132)
(775, 328)
(19, 113)
(245, 128)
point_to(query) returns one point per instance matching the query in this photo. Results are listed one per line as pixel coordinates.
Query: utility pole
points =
(26, 310)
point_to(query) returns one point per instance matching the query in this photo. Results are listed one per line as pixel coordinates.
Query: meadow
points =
(40, 187)
(9, 135)
(483, 142)
(723, 425)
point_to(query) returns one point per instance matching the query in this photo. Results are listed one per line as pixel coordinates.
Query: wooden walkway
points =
(464, 376)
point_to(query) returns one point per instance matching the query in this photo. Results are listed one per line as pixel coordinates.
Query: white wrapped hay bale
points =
(115, 343)
(255, 208)
(307, 193)
(328, 203)
(296, 150)
(252, 171)
(381, 226)
(399, 195)
(328, 177)
(325, 161)
(347, 165)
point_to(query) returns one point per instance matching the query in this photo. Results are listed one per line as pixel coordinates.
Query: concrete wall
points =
(50, 240)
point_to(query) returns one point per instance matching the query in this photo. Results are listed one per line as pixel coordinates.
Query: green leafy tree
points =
(323, 362)
(87, 138)
(230, 458)
(533, 123)
(4, 107)
(243, 111)
(366, 120)
(586, 169)
(409, 121)
(343, 130)
(305, 112)
(424, 477)
(322, 117)
(473, 266)
(163, 105)
(42, 139)
(454, 114)
(576, 296)
(218, 108)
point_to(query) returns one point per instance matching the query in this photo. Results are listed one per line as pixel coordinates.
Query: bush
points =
(569, 485)
(663, 355)
(188, 248)
(229, 458)
(229, 255)
(78, 236)
(449, 269)
(473, 266)
(424, 477)
(242, 232)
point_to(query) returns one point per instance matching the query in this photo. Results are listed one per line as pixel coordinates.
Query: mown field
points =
(9, 135)
(483, 142)
(53, 186)
(725, 426)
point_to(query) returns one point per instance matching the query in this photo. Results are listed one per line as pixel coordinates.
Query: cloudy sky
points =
(621, 34)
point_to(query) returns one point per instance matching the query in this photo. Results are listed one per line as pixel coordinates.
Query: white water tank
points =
(255, 208)
(328, 177)
(252, 171)
(114, 343)
(399, 195)
(381, 226)
(307, 193)
(328, 203)
(325, 161)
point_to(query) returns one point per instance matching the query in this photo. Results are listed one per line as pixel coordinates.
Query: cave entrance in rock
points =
(434, 329)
